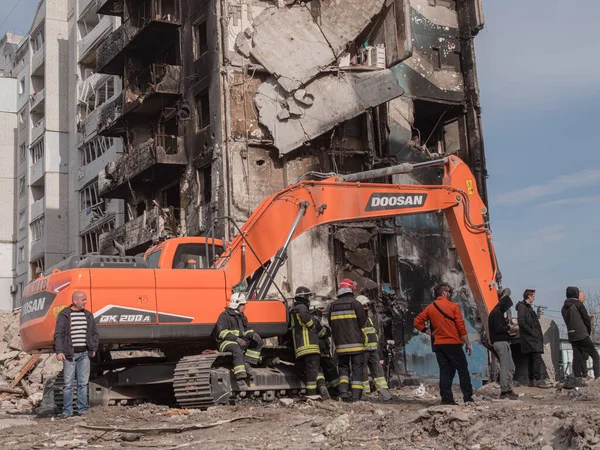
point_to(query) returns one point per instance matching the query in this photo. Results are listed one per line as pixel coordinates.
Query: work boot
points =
(510, 395)
(324, 393)
(448, 402)
(543, 384)
(385, 395)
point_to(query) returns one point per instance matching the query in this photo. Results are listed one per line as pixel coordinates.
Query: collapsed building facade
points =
(226, 102)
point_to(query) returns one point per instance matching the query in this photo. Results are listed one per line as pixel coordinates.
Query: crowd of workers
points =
(349, 322)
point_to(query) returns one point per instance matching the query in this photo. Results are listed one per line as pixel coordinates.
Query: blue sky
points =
(538, 73)
(540, 91)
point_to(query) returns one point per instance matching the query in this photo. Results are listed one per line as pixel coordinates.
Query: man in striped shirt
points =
(75, 341)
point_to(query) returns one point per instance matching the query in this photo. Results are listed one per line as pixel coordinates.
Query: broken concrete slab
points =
(316, 35)
(8, 423)
(352, 237)
(337, 98)
(362, 257)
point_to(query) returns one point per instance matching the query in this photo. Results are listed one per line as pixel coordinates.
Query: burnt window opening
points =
(169, 198)
(203, 110)
(200, 39)
(167, 136)
(140, 208)
(205, 184)
(167, 10)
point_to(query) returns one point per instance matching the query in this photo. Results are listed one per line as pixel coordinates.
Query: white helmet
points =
(363, 300)
(237, 299)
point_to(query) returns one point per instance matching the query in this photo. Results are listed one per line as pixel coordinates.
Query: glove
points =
(242, 342)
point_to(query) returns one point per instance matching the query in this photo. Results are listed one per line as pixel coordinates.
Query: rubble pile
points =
(22, 375)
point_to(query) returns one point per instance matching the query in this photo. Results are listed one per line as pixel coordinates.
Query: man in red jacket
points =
(448, 333)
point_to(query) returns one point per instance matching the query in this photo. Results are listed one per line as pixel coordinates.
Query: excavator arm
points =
(285, 215)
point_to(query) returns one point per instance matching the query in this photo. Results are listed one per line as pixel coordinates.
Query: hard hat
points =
(302, 292)
(347, 283)
(237, 299)
(363, 300)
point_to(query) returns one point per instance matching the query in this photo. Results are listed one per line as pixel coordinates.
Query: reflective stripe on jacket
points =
(346, 319)
(304, 331)
(231, 325)
(371, 338)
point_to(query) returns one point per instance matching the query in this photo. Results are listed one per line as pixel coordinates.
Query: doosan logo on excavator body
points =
(381, 201)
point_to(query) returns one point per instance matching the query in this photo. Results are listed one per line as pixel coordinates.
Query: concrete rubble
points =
(13, 360)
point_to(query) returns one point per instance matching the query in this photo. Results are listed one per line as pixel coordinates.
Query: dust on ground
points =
(540, 419)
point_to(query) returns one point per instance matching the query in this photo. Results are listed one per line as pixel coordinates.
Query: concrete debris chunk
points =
(314, 41)
(338, 425)
(337, 98)
(363, 258)
(352, 237)
(286, 401)
(9, 355)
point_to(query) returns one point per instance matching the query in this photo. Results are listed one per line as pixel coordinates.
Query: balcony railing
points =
(134, 233)
(38, 129)
(36, 99)
(163, 155)
(146, 29)
(153, 89)
(92, 40)
(110, 119)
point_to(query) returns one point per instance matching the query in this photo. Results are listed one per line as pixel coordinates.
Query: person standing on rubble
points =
(372, 357)
(579, 329)
(500, 330)
(328, 368)
(448, 333)
(532, 339)
(346, 318)
(75, 341)
(235, 335)
(305, 335)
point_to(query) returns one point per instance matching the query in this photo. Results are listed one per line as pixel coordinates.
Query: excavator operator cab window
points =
(153, 258)
(195, 256)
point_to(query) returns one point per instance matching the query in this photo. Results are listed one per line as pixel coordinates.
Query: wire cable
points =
(10, 13)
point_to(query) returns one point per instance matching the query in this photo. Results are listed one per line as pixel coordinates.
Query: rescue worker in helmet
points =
(328, 368)
(372, 357)
(234, 335)
(306, 341)
(346, 318)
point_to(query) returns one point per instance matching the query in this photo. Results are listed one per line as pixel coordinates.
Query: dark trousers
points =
(451, 358)
(534, 366)
(580, 351)
(241, 357)
(355, 362)
(373, 365)
(330, 372)
(307, 367)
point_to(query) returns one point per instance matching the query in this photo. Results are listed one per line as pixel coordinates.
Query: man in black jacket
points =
(579, 328)
(75, 341)
(500, 331)
(532, 339)
(346, 318)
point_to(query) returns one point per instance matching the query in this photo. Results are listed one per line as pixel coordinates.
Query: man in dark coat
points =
(500, 331)
(579, 328)
(532, 339)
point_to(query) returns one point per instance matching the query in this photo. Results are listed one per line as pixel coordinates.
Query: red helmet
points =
(347, 283)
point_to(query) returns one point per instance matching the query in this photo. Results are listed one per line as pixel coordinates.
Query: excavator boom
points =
(307, 204)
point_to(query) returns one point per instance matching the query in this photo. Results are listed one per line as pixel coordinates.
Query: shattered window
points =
(37, 151)
(90, 200)
(38, 264)
(90, 241)
(200, 39)
(203, 110)
(94, 149)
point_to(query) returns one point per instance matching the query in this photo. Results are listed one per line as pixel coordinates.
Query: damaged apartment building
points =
(226, 102)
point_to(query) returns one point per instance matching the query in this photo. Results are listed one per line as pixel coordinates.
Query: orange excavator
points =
(170, 299)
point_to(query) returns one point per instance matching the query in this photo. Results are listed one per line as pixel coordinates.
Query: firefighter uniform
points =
(372, 357)
(346, 318)
(306, 341)
(232, 330)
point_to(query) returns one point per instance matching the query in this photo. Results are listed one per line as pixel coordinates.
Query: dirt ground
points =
(540, 419)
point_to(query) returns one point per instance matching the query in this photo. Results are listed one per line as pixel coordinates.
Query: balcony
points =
(161, 158)
(110, 119)
(36, 172)
(148, 31)
(154, 88)
(37, 208)
(91, 41)
(110, 7)
(37, 62)
(37, 130)
(133, 234)
(37, 101)
(37, 248)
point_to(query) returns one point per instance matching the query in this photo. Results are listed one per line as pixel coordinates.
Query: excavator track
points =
(191, 381)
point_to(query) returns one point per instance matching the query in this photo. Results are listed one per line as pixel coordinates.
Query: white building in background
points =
(53, 100)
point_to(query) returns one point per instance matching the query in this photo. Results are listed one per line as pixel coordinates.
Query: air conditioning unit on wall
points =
(14, 288)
